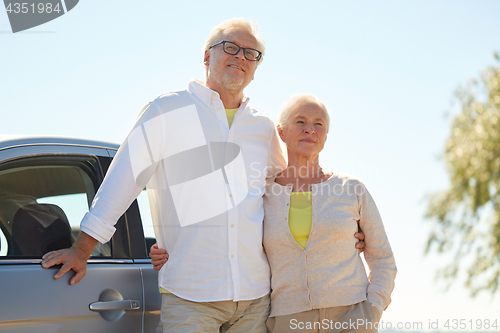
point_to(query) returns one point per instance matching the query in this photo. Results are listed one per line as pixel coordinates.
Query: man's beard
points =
(230, 81)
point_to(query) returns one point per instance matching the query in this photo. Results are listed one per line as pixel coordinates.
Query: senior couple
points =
(234, 218)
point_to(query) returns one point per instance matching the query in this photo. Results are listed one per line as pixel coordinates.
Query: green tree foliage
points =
(466, 217)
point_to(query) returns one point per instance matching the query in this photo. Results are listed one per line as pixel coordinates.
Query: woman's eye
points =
(320, 124)
(300, 122)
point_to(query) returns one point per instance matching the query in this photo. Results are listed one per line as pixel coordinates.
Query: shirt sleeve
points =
(276, 162)
(378, 253)
(128, 174)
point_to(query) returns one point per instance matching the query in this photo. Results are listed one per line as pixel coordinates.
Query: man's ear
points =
(206, 58)
(280, 133)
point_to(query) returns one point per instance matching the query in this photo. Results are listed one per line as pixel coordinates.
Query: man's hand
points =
(74, 258)
(360, 245)
(158, 257)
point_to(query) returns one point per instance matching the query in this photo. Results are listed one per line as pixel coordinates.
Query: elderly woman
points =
(319, 283)
(312, 216)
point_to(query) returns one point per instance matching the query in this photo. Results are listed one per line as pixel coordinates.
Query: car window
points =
(147, 222)
(42, 201)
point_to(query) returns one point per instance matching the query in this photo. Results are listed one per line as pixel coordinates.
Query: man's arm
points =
(160, 256)
(128, 174)
(74, 258)
(276, 162)
(360, 245)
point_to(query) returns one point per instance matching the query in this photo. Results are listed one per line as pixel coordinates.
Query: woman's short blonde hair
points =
(299, 99)
(217, 32)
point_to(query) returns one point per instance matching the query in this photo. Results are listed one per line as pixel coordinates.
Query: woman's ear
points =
(280, 133)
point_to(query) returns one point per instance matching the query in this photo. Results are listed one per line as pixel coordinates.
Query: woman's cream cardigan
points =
(328, 272)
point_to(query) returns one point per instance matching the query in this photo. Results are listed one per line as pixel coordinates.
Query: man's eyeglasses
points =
(233, 49)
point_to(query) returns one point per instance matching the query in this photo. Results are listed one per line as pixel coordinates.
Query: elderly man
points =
(205, 175)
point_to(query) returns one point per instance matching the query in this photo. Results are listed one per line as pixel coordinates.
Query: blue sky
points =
(386, 69)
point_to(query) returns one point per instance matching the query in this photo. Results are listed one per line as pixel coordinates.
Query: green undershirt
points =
(300, 216)
(230, 116)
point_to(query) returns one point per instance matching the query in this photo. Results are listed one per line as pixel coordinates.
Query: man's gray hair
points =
(218, 31)
(297, 100)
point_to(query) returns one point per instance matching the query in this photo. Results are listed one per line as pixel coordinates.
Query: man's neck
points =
(230, 98)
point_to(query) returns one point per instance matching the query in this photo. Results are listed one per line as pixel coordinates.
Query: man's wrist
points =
(85, 244)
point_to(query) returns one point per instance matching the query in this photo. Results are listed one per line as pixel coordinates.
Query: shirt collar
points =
(206, 95)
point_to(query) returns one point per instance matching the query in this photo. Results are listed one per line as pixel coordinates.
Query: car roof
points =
(9, 141)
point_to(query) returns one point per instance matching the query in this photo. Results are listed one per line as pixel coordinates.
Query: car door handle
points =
(126, 304)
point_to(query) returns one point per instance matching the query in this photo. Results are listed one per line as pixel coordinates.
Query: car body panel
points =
(32, 301)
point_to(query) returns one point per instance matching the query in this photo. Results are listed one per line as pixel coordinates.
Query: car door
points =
(44, 192)
(142, 236)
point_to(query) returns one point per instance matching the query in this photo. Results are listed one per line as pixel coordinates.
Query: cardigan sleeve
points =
(378, 252)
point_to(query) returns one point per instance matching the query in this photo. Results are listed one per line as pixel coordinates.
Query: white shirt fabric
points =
(205, 183)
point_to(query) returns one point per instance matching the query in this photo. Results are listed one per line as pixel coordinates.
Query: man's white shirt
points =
(205, 183)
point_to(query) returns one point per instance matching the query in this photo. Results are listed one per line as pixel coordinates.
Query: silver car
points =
(46, 186)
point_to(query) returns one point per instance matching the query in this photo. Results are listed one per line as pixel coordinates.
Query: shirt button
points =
(227, 167)
(230, 195)
(232, 256)
(232, 225)
(219, 109)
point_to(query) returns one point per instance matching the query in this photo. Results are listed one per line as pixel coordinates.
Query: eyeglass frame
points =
(223, 42)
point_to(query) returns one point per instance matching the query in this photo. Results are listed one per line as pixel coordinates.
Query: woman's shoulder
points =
(342, 183)
(281, 179)
(344, 178)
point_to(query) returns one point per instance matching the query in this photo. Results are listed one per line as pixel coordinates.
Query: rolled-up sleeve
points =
(128, 174)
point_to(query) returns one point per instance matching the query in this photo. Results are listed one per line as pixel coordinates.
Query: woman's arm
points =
(378, 252)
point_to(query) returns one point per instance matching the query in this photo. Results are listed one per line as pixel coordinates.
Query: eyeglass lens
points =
(233, 49)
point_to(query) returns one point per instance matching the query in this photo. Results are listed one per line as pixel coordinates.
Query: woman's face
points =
(305, 130)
